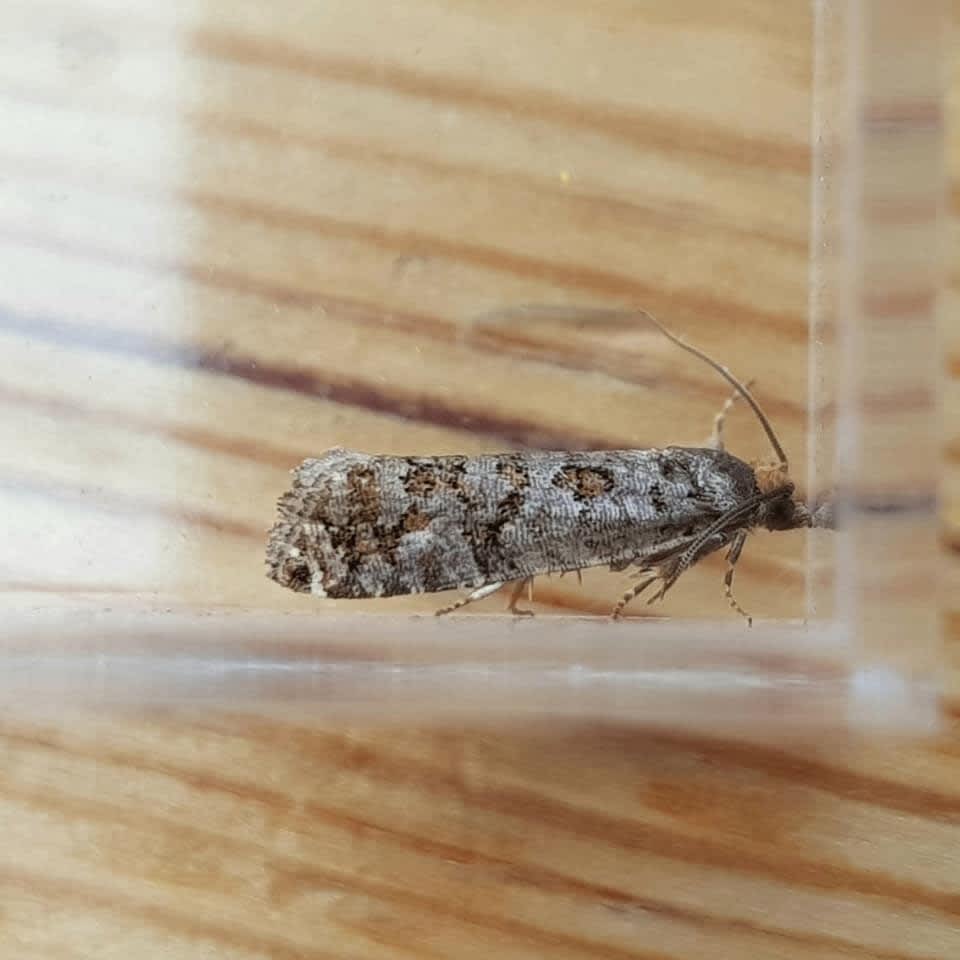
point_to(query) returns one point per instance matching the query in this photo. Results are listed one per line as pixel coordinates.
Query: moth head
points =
(787, 513)
(784, 512)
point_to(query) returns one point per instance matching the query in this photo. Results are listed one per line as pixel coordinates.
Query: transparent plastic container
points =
(857, 648)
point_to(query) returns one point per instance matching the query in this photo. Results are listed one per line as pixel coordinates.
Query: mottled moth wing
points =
(354, 525)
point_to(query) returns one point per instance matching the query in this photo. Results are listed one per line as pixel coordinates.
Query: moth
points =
(356, 525)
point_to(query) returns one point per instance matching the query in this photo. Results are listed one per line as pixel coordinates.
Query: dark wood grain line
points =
(290, 878)
(634, 835)
(952, 450)
(125, 504)
(390, 401)
(811, 773)
(883, 403)
(647, 130)
(950, 539)
(536, 877)
(916, 503)
(512, 342)
(902, 211)
(952, 707)
(544, 879)
(260, 450)
(502, 341)
(900, 114)
(525, 804)
(899, 305)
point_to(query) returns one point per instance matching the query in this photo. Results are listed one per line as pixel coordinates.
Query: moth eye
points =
(781, 515)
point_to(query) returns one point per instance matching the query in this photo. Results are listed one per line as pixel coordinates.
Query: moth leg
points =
(632, 594)
(668, 570)
(477, 594)
(716, 437)
(733, 555)
(517, 593)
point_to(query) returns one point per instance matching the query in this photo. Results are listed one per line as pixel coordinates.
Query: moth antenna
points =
(730, 378)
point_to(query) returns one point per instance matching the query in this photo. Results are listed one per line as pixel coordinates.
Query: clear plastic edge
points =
(777, 678)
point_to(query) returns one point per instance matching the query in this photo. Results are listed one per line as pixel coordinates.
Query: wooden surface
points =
(233, 235)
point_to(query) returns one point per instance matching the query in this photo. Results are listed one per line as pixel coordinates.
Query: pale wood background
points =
(236, 234)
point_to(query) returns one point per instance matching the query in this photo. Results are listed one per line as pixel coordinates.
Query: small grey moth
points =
(356, 525)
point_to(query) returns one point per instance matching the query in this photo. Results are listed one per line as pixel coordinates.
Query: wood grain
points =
(233, 235)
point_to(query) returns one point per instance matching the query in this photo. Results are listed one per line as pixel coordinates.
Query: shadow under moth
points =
(356, 525)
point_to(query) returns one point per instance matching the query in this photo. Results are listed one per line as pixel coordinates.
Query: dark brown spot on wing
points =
(586, 483)
(426, 477)
(414, 519)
